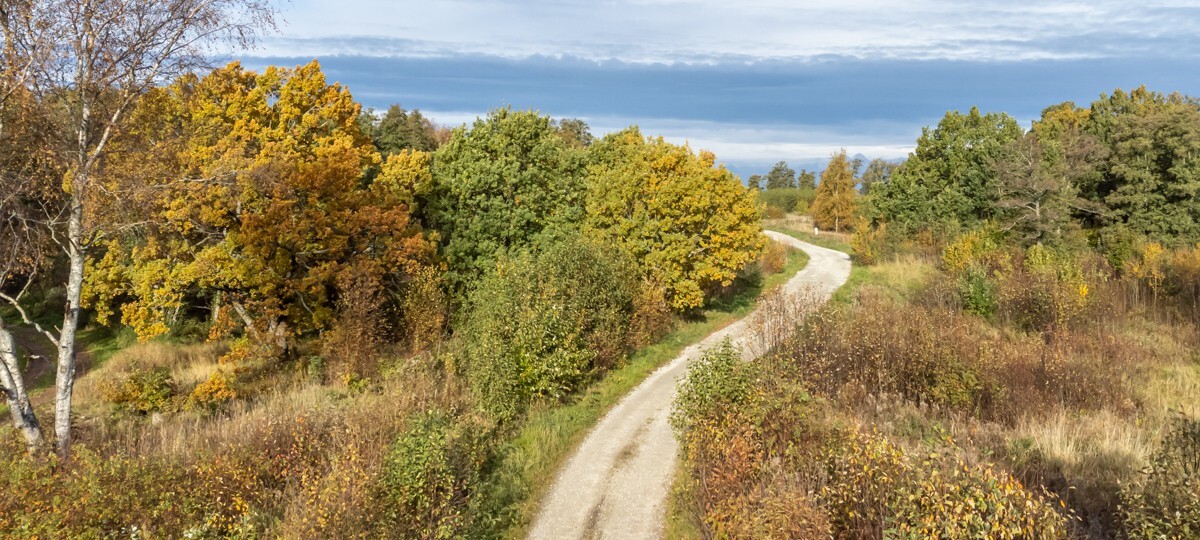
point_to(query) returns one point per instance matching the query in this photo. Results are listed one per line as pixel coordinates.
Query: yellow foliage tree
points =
(256, 205)
(692, 226)
(836, 199)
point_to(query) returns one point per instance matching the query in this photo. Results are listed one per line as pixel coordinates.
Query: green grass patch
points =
(526, 464)
(823, 241)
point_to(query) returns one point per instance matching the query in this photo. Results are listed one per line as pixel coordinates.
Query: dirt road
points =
(616, 483)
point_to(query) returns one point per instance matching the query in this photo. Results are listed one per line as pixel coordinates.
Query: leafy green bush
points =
(716, 381)
(144, 390)
(429, 474)
(1166, 503)
(787, 200)
(978, 293)
(541, 324)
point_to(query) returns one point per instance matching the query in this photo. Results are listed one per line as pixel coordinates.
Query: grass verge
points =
(526, 464)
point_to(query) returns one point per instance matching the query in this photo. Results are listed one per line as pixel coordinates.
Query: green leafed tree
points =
(948, 180)
(781, 176)
(879, 171)
(1038, 183)
(505, 183)
(807, 180)
(1154, 172)
(404, 130)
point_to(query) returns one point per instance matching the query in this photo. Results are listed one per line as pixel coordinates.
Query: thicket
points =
(543, 324)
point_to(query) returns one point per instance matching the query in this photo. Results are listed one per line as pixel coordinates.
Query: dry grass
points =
(189, 365)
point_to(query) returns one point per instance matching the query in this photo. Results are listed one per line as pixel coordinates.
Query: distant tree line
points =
(1124, 168)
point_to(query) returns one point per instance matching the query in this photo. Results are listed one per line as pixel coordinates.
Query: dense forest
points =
(1014, 357)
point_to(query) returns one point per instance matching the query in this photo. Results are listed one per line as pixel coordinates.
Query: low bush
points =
(874, 489)
(543, 323)
(773, 258)
(429, 475)
(651, 316)
(143, 391)
(783, 200)
(766, 465)
(1165, 502)
(869, 245)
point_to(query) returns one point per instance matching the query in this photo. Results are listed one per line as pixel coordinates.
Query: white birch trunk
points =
(19, 408)
(65, 377)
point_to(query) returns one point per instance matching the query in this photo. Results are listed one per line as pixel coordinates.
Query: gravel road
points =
(616, 483)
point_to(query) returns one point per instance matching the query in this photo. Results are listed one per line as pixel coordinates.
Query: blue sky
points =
(755, 82)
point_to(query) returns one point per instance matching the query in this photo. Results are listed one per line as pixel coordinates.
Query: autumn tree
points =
(504, 184)
(949, 180)
(691, 225)
(92, 60)
(837, 198)
(263, 211)
(28, 198)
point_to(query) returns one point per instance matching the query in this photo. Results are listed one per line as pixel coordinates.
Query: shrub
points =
(1185, 278)
(773, 258)
(543, 323)
(651, 318)
(144, 390)
(217, 390)
(425, 309)
(781, 200)
(1166, 502)
(978, 293)
(716, 381)
(875, 489)
(429, 474)
(351, 347)
(869, 244)
(973, 249)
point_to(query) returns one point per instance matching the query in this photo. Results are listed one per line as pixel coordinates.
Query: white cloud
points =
(710, 30)
(750, 143)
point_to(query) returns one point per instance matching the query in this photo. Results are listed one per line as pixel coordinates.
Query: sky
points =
(755, 82)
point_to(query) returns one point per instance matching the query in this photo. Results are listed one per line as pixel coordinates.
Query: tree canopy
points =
(506, 183)
(948, 179)
(259, 206)
(836, 200)
(692, 225)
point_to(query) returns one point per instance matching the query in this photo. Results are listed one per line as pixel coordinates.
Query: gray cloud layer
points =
(705, 31)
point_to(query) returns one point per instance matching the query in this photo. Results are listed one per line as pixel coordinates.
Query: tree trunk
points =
(19, 407)
(65, 378)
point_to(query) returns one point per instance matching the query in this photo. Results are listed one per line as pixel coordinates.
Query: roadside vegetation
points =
(1023, 367)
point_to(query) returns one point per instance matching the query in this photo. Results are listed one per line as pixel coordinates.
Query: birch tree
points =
(91, 60)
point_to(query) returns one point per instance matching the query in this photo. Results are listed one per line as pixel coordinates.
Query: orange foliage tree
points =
(255, 205)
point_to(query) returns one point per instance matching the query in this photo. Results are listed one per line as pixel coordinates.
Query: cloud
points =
(707, 31)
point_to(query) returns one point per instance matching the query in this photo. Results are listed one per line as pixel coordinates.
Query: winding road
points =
(616, 483)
